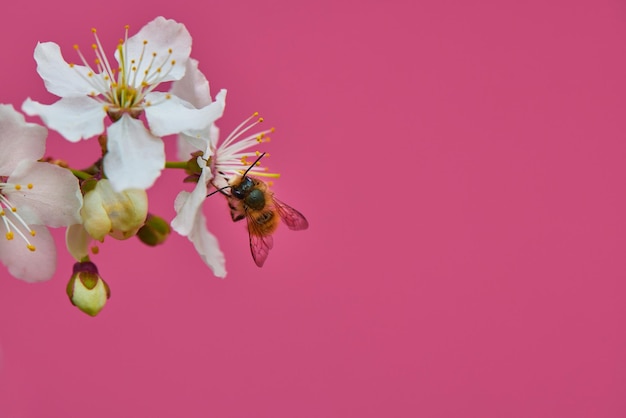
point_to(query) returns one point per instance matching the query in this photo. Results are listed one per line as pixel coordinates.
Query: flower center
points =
(11, 219)
(124, 89)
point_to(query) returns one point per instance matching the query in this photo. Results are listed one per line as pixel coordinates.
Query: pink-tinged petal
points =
(30, 266)
(161, 35)
(75, 118)
(59, 77)
(170, 114)
(135, 157)
(49, 195)
(193, 87)
(19, 140)
(77, 241)
(188, 205)
(204, 242)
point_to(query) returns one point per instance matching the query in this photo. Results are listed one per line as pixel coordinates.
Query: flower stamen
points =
(17, 225)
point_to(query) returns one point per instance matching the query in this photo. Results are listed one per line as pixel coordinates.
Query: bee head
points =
(238, 190)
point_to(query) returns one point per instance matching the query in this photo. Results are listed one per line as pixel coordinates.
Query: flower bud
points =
(154, 231)
(119, 214)
(86, 289)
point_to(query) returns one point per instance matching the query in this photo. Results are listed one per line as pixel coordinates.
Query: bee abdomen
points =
(264, 218)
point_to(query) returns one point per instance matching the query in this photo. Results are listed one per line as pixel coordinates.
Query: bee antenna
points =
(253, 164)
(218, 190)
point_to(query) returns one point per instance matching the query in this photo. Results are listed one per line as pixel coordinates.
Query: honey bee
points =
(251, 199)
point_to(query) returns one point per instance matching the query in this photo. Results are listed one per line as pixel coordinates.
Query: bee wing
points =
(291, 217)
(260, 245)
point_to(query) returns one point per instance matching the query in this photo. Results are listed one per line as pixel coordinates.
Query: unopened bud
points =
(119, 214)
(154, 231)
(86, 289)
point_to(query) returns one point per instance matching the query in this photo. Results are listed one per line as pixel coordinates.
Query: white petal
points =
(54, 199)
(204, 140)
(188, 205)
(135, 157)
(19, 140)
(186, 145)
(77, 241)
(74, 118)
(30, 266)
(205, 243)
(193, 87)
(61, 79)
(171, 115)
(161, 35)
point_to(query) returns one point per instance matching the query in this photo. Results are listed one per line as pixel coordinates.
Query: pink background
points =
(462, 165)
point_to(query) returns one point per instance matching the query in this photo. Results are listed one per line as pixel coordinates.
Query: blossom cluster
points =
(120, 100)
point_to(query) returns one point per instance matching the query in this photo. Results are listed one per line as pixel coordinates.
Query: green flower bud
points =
(86, 289)
(119, 214)
(154, 231)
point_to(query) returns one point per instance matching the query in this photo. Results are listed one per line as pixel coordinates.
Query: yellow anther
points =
(158, 70)
(134, 68)
(168, 96)
(148, 103)
(257, 153)
(173, 62)
(30, 185)
(76, 47)
(93, 30)
(270, 183)
(10, 235)
(89, 74)
(145, 42)
(33, 232)
(2, 213)
(255, 114)
(18, 187)
(95, 249)
(94, 47)
(97, 61)
(260, 120)
(154, 54)
(31, 247)
(268, 139)
(71, 64)
(120, 41)
(14, 210)
(126, 27)
(169, 50)
(106, 77)
(272, 129)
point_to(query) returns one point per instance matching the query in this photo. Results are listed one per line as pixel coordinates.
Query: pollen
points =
(31, 247)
